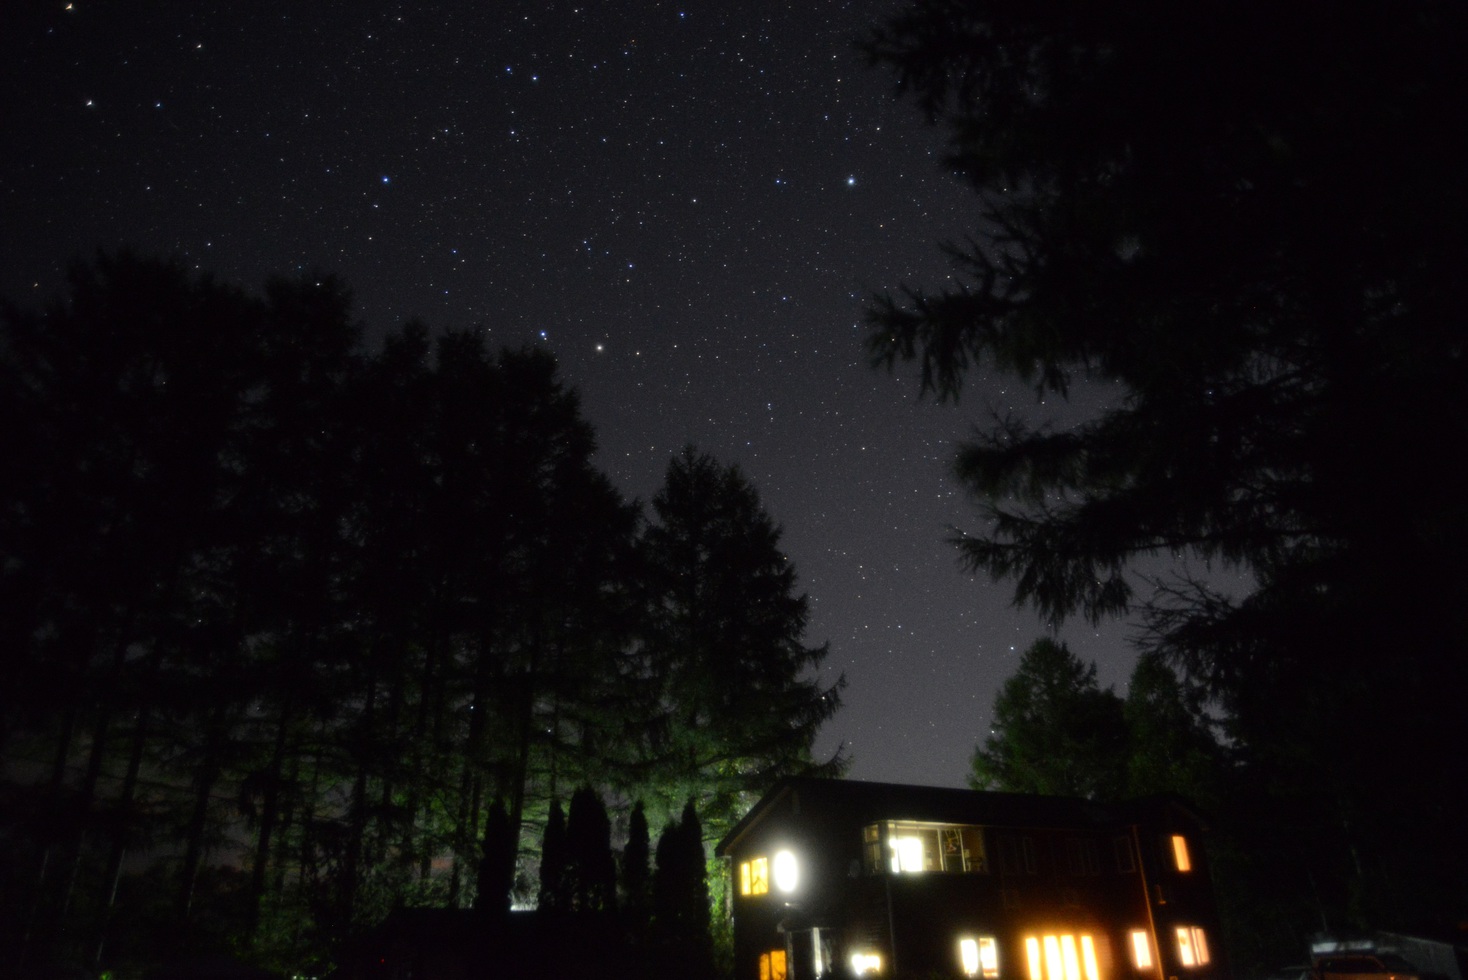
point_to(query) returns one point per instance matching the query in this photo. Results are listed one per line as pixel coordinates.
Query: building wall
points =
(1100, 882)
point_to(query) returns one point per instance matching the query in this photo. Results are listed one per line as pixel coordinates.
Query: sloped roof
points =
(867, 801)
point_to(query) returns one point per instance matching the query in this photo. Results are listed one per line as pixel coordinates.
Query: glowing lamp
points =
(787, 873)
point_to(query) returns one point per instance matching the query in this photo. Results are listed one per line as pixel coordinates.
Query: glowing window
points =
(754, 877)
(772, 965)
(907, 853)
(1180, 853)
(786, 873)
(918, 847)
(865, 963)
(1089, 964)
(1141, 949)
(979, 957)
(1065, 957)
(1192, 946)
(988, 956)
(1032, 953)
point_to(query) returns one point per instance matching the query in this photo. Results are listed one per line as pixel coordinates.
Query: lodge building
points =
(839, 877)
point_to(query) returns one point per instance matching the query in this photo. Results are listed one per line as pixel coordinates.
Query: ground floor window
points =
(979, 956)
(1192, 946)
(772, 965)
(1141, 944)
(1062, 957)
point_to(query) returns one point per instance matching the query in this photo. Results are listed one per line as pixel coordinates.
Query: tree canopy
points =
(741, 694)
(1248, 219)
(342, 625)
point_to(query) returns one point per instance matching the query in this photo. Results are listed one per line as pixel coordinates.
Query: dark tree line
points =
(1248, 218)
(660, 906)
(325, 629)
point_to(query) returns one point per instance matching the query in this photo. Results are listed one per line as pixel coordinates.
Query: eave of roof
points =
(897, 801)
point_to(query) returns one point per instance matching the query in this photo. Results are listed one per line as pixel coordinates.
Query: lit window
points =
(865, 963)
(979, 957)
(907, 853)
(1141, 949)
(988, 956)
(772, 965)
(913, 847)
(1180, 853)
(1192, 946)
(754, 877)
(1088, 959)
(1062, 958)
(786, 874)
(968, 956)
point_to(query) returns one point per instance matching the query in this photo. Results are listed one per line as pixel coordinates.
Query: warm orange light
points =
(1180, 853)
(1141, 949)
(1070, 957)
(777, 964)
(1054, 965)
(1062, 957)
(864, 963)
(759, 876)
(1185, 946)
(989, 957)
(1192, 946)
(744, 877)
(1088, 959)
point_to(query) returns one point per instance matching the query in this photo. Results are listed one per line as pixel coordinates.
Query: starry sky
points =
(688, 203)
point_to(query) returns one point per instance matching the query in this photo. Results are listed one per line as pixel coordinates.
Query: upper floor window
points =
(757, 874)
(1180, 858)
(1017, 855)
(1081, 857)
(1124, 861)
(754, 876)
(908, 847)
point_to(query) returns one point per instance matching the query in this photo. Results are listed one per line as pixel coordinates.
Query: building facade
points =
(838, 877)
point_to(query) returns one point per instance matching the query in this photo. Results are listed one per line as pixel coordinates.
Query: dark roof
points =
(896, 801)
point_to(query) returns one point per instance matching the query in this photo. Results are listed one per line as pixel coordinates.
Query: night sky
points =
(687, 203)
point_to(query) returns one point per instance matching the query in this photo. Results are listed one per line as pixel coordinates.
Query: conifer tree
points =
(497, 864)
(680, 898)
(554, 893)
(1055, 731)
(637, 872)
(590, 867)
(742, 698)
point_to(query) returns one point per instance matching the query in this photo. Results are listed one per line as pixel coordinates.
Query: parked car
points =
(1364, 966)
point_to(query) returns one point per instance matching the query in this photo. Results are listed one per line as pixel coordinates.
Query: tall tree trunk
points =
(121, 830)
(269, 813)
